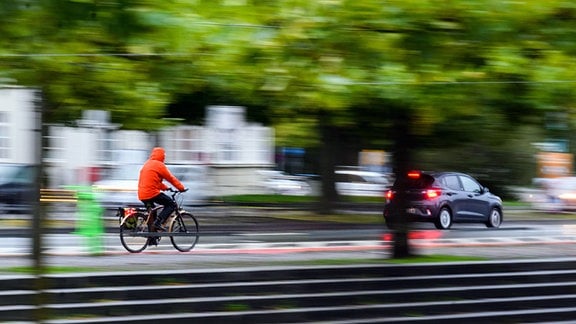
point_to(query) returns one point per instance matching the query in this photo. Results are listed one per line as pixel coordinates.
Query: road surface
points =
(278, 242)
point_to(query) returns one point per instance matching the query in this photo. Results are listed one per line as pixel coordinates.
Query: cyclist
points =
(151, 185)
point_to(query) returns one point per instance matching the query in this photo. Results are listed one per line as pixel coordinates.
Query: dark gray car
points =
(442, 198)
(17, 187)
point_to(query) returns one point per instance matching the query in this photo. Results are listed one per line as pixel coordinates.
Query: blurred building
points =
(19, 125)
(232, 148)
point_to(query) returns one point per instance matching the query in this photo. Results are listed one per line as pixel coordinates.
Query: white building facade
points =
(232, 149)
(20, 125)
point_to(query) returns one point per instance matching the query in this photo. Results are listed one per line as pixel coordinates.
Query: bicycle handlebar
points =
(175, 190)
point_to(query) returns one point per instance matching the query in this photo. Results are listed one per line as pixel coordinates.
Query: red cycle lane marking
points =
(415, 235)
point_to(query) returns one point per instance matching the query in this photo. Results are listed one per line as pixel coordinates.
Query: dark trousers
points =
(164, 200)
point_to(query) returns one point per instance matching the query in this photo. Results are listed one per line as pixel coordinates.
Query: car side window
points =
(24, 175)
(452, 182)
(470, 185)
(357, 179)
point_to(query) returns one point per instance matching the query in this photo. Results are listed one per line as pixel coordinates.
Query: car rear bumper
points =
(416, 213)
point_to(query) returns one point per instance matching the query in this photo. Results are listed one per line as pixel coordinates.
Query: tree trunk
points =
(328, 195)
(403, 142)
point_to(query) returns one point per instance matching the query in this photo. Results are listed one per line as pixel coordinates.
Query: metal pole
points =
(38, 217)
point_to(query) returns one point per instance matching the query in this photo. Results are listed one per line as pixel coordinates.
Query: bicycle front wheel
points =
(185, 230)
(131, 233)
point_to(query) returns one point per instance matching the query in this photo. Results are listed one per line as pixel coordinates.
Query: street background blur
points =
(285, 119)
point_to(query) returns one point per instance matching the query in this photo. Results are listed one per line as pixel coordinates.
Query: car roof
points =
(436, 174)
(358, 172)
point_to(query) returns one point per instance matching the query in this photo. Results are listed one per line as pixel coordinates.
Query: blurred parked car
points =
(442, 198)
(280, 183)
(17, 187)
(361, 183)
(557, 194)
(120, 188)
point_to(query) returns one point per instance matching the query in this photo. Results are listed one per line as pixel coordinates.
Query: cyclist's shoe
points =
(153, 241)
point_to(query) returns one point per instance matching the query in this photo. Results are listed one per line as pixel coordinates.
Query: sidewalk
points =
(238, 258)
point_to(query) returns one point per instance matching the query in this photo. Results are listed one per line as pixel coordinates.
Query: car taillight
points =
(433, 193)
(389, 194)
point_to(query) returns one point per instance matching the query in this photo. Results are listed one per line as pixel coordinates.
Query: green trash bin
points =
(89, 223)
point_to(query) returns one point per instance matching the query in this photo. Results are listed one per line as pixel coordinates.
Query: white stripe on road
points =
(296, 247)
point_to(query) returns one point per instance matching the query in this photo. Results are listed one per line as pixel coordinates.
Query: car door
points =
(476, 206)
(455, 195)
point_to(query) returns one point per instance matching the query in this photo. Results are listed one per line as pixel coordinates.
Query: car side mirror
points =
(485, 190)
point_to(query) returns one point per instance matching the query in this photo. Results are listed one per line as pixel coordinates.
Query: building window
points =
(5, 143)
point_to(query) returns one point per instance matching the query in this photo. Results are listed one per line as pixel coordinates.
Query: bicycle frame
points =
(136, 222)
(151, 212)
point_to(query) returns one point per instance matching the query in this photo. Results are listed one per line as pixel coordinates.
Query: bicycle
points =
(136, 227)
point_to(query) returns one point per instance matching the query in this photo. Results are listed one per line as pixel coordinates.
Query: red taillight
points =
(433, 193)
(414, 174)
(389, 194)
(129, 211)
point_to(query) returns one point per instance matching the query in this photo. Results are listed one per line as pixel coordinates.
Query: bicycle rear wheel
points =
(185, 228)
(135, 224)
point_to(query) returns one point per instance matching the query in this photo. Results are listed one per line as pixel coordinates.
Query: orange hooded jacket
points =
(153, 172)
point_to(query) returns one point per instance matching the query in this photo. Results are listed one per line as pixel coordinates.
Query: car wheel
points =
(495, 218)
(444, 220)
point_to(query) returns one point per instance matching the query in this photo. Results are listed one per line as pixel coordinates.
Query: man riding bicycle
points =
(150, 186)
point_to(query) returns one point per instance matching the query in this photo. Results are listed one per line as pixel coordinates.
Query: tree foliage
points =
(456, 66)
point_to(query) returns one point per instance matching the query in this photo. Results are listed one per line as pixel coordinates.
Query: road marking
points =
(270, 234)
(305, 246)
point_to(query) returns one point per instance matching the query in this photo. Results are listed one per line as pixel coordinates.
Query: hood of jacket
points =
(158, 154)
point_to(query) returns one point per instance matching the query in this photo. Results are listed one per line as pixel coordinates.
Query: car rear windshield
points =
(421, 182)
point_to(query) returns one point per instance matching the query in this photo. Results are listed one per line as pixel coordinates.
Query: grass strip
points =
(50, 270)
